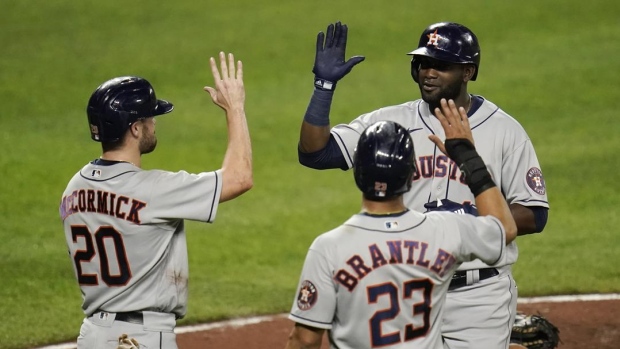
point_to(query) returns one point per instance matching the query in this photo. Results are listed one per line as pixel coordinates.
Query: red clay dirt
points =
(583, 325)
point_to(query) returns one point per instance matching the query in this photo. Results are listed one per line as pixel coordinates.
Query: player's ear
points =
(135, 129)
(468, 72)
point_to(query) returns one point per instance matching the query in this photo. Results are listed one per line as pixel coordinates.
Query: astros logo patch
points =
(307, 296)
(433, 38)
(535, 180)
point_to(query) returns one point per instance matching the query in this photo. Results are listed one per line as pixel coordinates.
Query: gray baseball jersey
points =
(382, 280)
(125, 233)
(500, 140)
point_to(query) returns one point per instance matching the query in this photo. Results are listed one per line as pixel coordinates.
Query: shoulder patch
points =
(535, 180)
(307, 296)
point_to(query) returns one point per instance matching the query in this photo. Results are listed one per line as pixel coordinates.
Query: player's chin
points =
(429, 96)
(432, 98)
(149, 147)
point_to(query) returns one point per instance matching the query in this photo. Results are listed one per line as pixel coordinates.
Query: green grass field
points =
(553, 65)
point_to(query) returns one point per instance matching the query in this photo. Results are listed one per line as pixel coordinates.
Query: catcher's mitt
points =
(534, 331)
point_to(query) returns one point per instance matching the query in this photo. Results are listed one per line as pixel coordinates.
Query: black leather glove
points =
(534, 331)
(447, 205)
(329, 63)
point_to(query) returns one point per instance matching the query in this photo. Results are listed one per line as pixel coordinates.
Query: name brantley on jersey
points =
(415, 253)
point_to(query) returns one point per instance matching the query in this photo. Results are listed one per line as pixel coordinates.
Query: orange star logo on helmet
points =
(433, 38)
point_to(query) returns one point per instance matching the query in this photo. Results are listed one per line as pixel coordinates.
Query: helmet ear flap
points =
(107, 126)
(94, 123)
(415, 69)
(475, 75)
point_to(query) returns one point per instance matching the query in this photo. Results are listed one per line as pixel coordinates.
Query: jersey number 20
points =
(377, 337)
(96, 245)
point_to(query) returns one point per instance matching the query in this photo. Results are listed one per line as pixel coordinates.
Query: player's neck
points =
(123, 156)
(375, 208)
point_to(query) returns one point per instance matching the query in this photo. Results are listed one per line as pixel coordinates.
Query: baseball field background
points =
(553, 65)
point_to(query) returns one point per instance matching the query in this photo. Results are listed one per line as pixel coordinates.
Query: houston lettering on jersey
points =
(437, 167)
(415, 254)
(98, 201)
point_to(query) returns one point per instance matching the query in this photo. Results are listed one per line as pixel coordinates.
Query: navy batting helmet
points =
(384, 161)
(449, 42)
(118, 103)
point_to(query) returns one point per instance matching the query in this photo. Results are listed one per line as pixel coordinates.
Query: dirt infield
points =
(582, 324)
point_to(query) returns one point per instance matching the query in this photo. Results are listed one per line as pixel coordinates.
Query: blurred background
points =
(552, 65)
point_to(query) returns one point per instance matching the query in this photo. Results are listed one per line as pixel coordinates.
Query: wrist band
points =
(477, 176)
(317, 113)
(316, 120)
(323, 84)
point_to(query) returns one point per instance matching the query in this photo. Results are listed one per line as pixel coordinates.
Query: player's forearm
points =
(489, 198)
(529, 220)
(305, 337)
(295, 344)
(491, 202)
(237, 176)
(315, 128)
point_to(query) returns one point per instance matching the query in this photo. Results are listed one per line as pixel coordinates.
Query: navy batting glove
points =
(329, 63)
(447, 205)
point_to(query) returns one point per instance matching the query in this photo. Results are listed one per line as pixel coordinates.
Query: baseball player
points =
(124, 226)
(481, 303)
(381, 278)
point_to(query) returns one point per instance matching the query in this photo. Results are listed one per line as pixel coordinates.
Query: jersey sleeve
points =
(183, 195)
(522, 178)
(315, 300)
(482, 238)
(347, 135)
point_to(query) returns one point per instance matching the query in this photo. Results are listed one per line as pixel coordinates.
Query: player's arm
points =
(314, 134)
(329, 67)
(459, 146)
(305, 337)
(229, 94)
(529, 220)
(491, 202)
(317, 149)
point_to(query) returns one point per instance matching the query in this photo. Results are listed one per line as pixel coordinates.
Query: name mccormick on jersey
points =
(103, 202)
(415, 253)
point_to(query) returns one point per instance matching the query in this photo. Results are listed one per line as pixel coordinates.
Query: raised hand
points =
(455, 124)
(229, 92)
(459, 146)
(329, 61)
